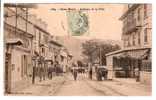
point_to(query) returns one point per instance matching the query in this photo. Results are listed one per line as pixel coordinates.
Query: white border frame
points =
(79, 97)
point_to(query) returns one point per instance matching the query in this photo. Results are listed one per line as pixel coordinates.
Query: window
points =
(145, 35)
(129, 44)
(55, 58)
(139, 14)
(43, 51)
(139, 40)
(145, 10)
(132, 15)
(24, 65)
(125, 43)
(146, 65)
(45, 37)
(133, 39)
(26, 42)
(62, 58)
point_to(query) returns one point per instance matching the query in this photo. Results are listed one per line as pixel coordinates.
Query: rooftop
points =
(127, 49)
(132, 8)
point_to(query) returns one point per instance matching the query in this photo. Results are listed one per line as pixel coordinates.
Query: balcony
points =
(131, 26)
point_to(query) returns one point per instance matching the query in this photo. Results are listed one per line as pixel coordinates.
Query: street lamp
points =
(100, 53)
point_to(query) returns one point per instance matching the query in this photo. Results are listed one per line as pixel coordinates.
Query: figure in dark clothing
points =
(57, 68)
(33, 76)
(90, 73)
(50, 70)
(75, 74)
(41, 73)
(44, 71)
(138, 70)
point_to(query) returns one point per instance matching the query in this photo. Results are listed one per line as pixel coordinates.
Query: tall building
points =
(137, 26)
(137, 43)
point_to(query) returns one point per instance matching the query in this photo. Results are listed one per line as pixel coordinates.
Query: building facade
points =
(17, 29)
(29, 49)
(27, 44)
(137, 26)
(64, 59)
(137, 44)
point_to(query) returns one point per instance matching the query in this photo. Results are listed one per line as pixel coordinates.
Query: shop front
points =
(132, 63)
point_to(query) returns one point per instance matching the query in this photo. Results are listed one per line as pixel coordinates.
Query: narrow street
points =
(86, 87)
(47, 44)
(66, 86)
(78, 88)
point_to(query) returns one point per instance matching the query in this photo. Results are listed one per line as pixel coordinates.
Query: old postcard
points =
(77, 49)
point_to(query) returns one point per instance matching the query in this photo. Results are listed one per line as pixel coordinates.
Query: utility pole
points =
(100, 55)
(16, 19)
(34, 69)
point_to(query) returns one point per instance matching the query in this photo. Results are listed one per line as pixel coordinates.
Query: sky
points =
(103, 24)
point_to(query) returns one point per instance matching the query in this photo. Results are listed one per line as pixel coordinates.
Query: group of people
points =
(75, 73)
(43, 70)
(56, 67)
(75, 70)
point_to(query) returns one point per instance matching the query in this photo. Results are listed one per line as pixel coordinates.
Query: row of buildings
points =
(28, 44)
(137, 44)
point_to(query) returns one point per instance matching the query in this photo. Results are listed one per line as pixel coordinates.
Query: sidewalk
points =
(121, 87)
(17, 86)
(131, 82)
(45, 87)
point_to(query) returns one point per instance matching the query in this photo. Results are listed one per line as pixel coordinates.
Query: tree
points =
(93, 49)
(80, 63)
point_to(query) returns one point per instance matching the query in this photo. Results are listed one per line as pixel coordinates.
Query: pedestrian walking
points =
(33, 74)
(137, 71)
(44, 71)
(40, 73)
(90, 73)
(75, 74)
(58, 69)
(50, 71)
